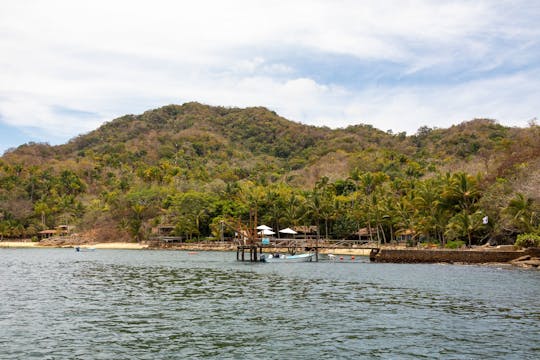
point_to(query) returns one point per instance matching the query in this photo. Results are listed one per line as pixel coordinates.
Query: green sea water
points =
(122, 304)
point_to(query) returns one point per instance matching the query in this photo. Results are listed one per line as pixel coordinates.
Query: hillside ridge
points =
(137, 171)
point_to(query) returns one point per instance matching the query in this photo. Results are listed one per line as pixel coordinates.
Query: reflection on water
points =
(57, 303)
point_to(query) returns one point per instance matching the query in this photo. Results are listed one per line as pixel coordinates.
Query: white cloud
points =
(102, 59)
(510, 99)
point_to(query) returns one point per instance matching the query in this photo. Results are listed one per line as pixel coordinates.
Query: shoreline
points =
(518, 258)
(181, 247)
(37, 245)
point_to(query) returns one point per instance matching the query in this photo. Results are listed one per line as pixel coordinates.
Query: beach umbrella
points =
(266, 232)
(263, 227)
(288, 231)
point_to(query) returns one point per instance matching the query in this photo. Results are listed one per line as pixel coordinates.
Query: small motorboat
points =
(84, 249)
(278, 258)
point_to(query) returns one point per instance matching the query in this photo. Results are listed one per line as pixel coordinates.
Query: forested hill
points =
(192, 165)
(229, 142)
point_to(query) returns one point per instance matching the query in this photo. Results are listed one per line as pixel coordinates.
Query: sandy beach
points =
(18, 244)
(185, 247)
(118, 245)
(114, 245)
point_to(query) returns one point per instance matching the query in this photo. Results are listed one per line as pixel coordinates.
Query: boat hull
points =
(84, 249)
(287, 258)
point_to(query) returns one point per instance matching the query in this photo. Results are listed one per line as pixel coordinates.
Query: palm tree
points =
(253, 196)
(292, 210)
(404, 213)
(324, 193)
(3, 229)
(136, 220)
(274, 207)
(355, 176)
(375, 215)
(523, 214)
(464, 225)
(315, 208)
(430, 212)
(462, 192)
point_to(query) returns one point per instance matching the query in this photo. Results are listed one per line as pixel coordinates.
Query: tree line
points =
(194, 166)
(440, 209)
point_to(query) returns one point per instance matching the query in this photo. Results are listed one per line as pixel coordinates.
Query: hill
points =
(192, 165)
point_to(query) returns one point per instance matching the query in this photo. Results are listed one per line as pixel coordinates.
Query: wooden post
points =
(317, 250)
(222, 236)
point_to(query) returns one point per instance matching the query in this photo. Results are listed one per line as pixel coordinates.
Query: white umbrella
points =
(263, 227)
(288, 231)
(266, 232)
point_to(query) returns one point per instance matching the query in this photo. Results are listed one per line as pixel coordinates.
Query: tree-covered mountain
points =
(191, 166)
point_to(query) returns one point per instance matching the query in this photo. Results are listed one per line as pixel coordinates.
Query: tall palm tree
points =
(292, 210)
(3, 229)
(314, 208)
(429, 208)
(274, 207)
(253, 196)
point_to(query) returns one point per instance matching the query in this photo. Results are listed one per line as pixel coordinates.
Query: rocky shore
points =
(523, 258)
(527, 261)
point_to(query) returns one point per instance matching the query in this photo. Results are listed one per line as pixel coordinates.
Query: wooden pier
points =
(251, 241)
(251, 252)
(254, 252)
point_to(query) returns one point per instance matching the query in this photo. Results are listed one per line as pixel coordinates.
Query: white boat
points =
(84, 249)
(286, 258)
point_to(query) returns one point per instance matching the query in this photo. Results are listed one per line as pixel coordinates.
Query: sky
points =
(68, 66)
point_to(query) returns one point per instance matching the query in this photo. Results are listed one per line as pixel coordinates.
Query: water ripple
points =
(168, 305)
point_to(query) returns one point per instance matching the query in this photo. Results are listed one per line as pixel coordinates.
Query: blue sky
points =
(68, 66)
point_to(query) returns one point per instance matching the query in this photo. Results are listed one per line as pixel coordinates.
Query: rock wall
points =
(447, 256)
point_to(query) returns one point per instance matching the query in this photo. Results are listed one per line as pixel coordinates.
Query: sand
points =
(190, 246)
(18, 244)
(116, 245)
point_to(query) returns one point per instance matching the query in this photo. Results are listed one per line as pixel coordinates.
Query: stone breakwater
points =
(529, 257)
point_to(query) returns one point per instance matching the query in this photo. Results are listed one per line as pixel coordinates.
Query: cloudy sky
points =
(66, 66)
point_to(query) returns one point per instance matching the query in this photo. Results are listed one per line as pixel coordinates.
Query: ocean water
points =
(122, 304)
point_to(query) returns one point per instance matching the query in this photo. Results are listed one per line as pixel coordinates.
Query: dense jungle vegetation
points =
(193, 165)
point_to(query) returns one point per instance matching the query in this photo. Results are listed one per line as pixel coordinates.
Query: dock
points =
(252, 251)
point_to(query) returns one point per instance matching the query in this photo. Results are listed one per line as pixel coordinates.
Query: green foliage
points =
(454, 244)
(192, 166)
(522, 213)
(190, 211)
(527, 241)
